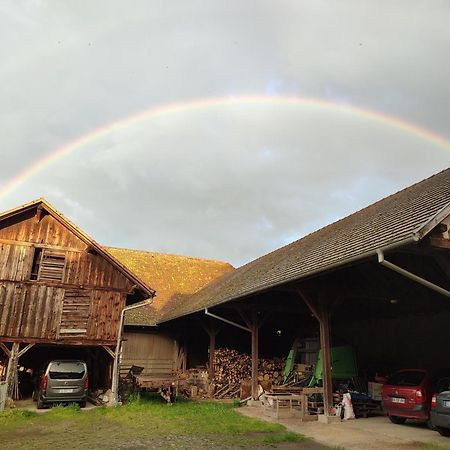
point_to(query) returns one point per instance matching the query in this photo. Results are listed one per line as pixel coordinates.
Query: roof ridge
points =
(348, 217)
(169, 254)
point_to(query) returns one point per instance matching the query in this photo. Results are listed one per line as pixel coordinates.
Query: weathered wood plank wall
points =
(82, 268)
(83, 305)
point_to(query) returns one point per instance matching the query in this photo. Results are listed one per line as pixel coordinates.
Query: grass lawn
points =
(143, 424)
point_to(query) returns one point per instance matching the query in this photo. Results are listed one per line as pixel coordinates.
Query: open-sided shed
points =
(379, 276)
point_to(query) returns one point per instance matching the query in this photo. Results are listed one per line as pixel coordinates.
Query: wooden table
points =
(283, 403)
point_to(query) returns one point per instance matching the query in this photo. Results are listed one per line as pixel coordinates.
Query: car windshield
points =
(406, 378)
(443, 385)
(66, 370)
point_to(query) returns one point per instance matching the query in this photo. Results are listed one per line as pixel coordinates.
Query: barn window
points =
(36, 263)
(48, 265)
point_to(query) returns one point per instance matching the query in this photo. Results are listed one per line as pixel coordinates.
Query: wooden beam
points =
(212, 329)
(322, 311)
(324, 326)
(212, 350)
(110, 352)
(5, 349)
(31, 244)
(24, 350)
(255, 353)
(253, 323)
(263, 319)
(11, 371)
(91, 250)
(247, 320)
(38, 213)
(62, 341)
(310, 304)
(57, 284)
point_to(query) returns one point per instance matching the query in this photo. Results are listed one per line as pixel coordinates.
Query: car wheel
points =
(443, 431)
(397, 420)
(40, 403)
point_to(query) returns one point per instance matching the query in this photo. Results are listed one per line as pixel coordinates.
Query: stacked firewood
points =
(231, 368)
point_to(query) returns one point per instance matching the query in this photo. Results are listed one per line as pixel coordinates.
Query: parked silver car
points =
(63, 381)
(440, 407)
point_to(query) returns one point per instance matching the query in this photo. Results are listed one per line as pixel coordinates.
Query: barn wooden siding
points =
(78, 296)
(156, 353)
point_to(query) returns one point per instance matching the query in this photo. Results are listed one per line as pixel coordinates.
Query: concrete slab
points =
(322, 418)
(373, 433)
(255, 403)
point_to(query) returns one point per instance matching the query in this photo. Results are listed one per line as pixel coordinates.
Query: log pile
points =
(231, 368)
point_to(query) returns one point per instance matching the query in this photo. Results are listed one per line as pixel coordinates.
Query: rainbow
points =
(201, 104)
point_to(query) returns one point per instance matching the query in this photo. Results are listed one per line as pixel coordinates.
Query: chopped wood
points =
(231, 368)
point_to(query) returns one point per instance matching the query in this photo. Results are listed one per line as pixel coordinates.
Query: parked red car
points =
(407, 395)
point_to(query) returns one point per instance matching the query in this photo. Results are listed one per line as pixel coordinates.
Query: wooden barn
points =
(61, 296)
(175, 278)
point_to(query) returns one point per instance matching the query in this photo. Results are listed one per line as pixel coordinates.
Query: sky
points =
(205, 170)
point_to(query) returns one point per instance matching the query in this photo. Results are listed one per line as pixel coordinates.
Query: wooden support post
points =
(321, 310)
(24, 350)
(253, 323)
(326, 359)
(5, 349)
(212, 349)
(11, 371)
(212, 330)
(255, 353)
(109, 351)
(184, 361)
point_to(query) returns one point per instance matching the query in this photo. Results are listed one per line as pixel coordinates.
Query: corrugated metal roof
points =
(386, 222)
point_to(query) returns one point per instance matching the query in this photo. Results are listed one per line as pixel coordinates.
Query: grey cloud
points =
(226, 183)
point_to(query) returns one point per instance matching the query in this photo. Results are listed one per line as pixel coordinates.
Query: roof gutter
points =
(410, 275)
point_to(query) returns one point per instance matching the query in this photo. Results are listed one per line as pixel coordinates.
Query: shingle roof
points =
(387, 222)
(173, 277)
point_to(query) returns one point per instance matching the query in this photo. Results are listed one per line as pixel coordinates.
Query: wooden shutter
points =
(75, 313)
(52, 265)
